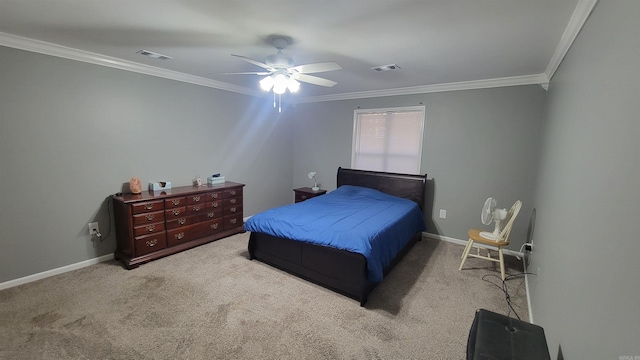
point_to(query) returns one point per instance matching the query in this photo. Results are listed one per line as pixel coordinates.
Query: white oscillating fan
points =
(489, 214)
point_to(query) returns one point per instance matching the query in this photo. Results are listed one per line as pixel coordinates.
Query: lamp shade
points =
(280, 83)
(267, 83)
(293, 85)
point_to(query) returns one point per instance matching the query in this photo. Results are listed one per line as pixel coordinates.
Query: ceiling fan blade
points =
(254, 62)
(314, 80)
(317, 67)
(246, 73)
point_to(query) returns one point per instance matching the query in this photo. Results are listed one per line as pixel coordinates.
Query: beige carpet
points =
(211, 302)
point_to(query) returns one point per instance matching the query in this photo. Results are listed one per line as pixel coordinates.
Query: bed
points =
(340, 260)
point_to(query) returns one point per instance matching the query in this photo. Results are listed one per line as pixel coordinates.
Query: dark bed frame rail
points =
(339, 270)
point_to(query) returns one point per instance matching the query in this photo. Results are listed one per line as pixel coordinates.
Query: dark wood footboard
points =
(342, 271)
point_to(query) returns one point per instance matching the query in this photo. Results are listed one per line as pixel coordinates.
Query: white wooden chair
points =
(499, 243)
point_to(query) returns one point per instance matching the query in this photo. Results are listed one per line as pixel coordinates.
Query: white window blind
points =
(388, 139)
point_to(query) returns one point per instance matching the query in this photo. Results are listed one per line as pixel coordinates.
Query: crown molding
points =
(537, 79)
(577, 20)
(46, 48)
(579, 17)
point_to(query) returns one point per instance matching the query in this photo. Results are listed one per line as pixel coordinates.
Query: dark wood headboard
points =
(406, 186)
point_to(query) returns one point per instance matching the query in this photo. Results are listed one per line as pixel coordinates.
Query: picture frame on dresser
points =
(154, 224)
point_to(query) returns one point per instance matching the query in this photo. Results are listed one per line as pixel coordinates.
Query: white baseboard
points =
(526, 286)
(464, 242)
(60, 270)
(52, 272)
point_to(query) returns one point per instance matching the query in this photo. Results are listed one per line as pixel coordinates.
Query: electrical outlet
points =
(443, 214)
(93, 228)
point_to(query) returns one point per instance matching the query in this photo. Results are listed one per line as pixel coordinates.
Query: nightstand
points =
(305, 193)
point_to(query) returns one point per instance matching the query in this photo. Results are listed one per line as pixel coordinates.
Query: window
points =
(388, 139)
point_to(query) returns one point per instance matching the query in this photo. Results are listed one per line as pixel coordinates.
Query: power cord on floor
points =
(502, 285)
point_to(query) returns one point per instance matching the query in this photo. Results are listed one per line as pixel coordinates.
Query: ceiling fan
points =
(281, 74)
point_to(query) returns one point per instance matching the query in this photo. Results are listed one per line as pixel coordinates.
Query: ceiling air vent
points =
(386, 67)
(153, 55)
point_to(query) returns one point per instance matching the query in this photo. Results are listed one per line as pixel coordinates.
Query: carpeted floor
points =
(211, 302)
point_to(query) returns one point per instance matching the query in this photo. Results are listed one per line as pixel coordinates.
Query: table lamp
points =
(312, 175)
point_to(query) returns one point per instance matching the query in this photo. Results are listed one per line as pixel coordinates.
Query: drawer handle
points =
(232, 209)
(214, 226)
(211, 214)
(182, 221)
(150, 228)
(148, 206)
(233, 221)
(233, 201)
(232, 192)
(149, 217)
(196, 208)
(215, 204)
(175, 202)
(304, 197)
(196, 198)
(179, 236)
(176, 212)
(152, 243)
(214, 195)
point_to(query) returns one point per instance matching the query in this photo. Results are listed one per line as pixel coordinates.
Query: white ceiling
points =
(439, 44)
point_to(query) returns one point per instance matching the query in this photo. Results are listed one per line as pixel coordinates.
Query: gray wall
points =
(72, 133)
(477, 143)
(587, 292)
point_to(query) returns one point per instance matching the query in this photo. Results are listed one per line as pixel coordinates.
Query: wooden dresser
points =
(160, 223)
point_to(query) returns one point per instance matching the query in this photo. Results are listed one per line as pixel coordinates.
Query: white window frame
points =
(389, 111)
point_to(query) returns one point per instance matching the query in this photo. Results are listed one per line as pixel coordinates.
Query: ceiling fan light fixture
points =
(267, 83)
(293, 85)
(279, 88)
(280, 83)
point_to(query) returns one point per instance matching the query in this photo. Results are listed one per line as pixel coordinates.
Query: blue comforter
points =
(352, 218)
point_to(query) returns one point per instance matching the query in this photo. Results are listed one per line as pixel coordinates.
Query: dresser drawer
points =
(232, 201)
(232, 221)
(196, 209)
(306, 193)
(236, 192)
(210, 227)
(182, 221)
(147, 206)
(174, 203)
(148, 229)
(210, 214)
(148, 218)
(214, 204)
(215, 195)
(233, 210)
(182, 235)
(175, 213)
(301, 197)
(150, 243)
(200, 198)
